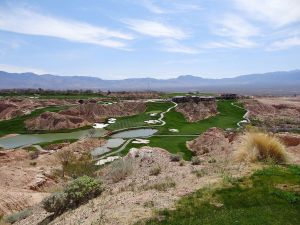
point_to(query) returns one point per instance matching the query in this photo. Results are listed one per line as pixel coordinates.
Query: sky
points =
(117, 39)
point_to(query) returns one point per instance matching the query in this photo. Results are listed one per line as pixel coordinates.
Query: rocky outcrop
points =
(11, 108)
(197, 111)
(214, 139)
(82, 115)
(276, 115)
(97, 112)
(55, 121)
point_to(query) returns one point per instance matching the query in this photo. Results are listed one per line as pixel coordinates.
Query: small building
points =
(196, 99)
(228, 96)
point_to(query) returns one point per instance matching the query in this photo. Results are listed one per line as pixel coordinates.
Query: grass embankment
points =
(17, 125)
(228, 117)
(46, 144)
(138, 120)
(270, 196)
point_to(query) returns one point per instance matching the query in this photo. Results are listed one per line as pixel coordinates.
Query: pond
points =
(111, 143)
(29, 139)
(137, 133)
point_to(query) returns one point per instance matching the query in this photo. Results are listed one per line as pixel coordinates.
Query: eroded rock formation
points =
(197, 111)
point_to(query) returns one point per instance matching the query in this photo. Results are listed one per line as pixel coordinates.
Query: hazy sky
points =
(115, 39)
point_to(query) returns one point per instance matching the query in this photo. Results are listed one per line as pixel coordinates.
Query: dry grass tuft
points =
(259, 146)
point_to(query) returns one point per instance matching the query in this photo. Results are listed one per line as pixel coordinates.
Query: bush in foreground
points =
(258, 146)
(15, 217)
(76, 193)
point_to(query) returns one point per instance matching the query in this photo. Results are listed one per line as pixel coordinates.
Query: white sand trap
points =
(152, 121)
(108, 159)
(99, 125)
(110, 121)
(153, 114)
(174, 130)
(140, 141)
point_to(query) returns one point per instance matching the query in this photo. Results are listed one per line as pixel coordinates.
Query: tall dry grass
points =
(259, 146)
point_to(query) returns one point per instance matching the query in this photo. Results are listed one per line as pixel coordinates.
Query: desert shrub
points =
(195, 160)
(82, 189)
(120, 169)
(33, 155)
(83, 166)
(32, 163)
(76, 193)
(155, 170)
(163, 185)
(198, 173)
(56, 203)
(175, 157)
(64, 157)
(212, 160)
(15, 217)
(259, 146)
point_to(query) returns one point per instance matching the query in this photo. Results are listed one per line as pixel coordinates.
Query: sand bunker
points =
(140, 141)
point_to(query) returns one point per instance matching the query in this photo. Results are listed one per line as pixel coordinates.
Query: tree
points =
(64, 157)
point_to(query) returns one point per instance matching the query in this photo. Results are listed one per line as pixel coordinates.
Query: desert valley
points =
(150, 112)
(132, 155)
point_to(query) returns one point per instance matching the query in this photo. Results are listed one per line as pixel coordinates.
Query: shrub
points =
(32, 163)
(212, 160)
(83, 166)
(155, 170)
(196, 160)
(82, 189)
(121, 169)
(15, 217)
(56, 203)
(33, 155)
(164, 185)
(176, 157)
(258, 146)
(198, 173)
(76, 193)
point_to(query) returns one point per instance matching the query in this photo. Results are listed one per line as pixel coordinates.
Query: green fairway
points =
(172, 144)
(269, 197)
(228, 117)
(138, 120)
(17, 125)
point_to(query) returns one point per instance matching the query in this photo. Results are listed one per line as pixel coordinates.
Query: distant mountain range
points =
(267, 83)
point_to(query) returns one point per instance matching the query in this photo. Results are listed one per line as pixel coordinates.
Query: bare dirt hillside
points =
(282, 113)
(25, 181)
(82, 115)
(138, 194)
(10, 108)
(197, 111)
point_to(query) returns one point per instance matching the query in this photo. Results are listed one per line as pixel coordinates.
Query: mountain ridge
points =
(279, 82)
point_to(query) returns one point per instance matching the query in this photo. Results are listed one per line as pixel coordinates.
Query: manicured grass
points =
(172, 144)
(17, 125)
(228, 117)
(138, 120)
(46, 144)
(249, 201)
